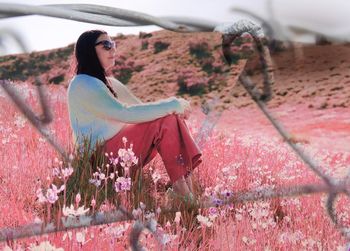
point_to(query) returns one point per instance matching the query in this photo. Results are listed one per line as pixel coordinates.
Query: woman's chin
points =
(108, 69)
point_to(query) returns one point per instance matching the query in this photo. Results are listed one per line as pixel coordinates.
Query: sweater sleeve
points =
(97, 100)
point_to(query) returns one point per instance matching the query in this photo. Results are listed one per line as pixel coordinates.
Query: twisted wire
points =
(119, 17)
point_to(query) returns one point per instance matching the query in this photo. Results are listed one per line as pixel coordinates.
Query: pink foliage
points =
(234, 161)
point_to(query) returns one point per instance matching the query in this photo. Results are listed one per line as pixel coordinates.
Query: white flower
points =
(93, 202)
(69, 234)
(102, 176)
(95, 182)
(56, 172)
(204, 220)
(71, 157)
(37, 220)
(125, 140)
(177, 217)
(142, 205)
(77, 198)
(136, 212)
(40, 195)
(213, 213)
(114, 161)
(149, 216)
(55, 190)
(66, 172)
(122, 184)
(127, 157)
(70, 211)
(80, 236)
(51, 195)
(156, 176)
(117, 231)
(45, 246)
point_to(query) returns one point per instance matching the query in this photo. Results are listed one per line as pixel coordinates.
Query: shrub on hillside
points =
(124, 69)
(143, 35)
(192, 82)
(144, 44)
(23, 68)
(57, 79)
(160, 46)
(210, 66)
(200, 50)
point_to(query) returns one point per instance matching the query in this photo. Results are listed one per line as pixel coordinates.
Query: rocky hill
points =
(160, 64)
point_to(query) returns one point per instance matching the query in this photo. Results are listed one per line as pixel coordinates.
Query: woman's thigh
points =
(139, 136)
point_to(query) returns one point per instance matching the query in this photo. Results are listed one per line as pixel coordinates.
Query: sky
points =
(326, 17)
(41, 33)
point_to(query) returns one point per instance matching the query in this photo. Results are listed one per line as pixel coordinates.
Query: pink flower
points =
(77, 198)
(66, 172)
(127, 158)
(122, 184)
(70, 211)
(102, 176)
(177, 217)
(114, 161)
(156, 177)
(55, 190)
(40, 195)
(51, 196)
(204, 220)
(93, 202)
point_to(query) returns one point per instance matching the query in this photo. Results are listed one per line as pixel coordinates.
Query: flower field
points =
(242, 153)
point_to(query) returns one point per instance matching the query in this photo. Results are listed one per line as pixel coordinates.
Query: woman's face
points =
(105, 50)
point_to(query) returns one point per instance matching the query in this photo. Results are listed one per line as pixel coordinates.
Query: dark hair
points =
(86, 57)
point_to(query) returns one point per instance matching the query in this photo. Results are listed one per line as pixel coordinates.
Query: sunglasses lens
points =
(107, 45)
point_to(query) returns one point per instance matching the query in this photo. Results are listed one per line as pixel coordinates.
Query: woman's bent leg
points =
(169, 136)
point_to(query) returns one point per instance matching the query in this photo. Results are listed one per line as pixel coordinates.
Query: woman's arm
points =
(94, 96)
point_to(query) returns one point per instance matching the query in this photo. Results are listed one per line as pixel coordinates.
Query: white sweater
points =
(95, 112)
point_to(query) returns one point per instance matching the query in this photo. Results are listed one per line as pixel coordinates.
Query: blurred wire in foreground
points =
(119, 17)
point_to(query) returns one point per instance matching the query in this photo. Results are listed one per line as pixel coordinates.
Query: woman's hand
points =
(186, 107)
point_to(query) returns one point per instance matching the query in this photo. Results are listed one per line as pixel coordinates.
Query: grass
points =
(232, 163)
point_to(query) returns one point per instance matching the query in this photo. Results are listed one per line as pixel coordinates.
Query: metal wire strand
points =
(119, 17)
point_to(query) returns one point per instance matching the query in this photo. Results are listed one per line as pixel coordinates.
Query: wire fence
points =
(120, 17)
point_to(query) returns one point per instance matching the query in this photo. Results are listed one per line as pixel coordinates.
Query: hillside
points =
(165, 63)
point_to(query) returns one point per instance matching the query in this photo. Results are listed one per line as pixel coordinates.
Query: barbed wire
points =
(120, 17)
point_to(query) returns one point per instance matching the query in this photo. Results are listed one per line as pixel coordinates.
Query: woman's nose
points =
(113, 50)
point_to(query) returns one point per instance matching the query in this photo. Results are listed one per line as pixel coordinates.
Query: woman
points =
(102, 108)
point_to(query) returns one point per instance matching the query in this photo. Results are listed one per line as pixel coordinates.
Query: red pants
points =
(169, 136)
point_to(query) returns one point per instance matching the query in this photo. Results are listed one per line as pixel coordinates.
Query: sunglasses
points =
(107, 45)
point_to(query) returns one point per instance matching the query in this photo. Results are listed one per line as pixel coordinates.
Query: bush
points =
(123, 74)
(194, 86)
(144, 45)
(57, 80)
(125, 68)
(160, 46)
(143, 35)
(200, 50)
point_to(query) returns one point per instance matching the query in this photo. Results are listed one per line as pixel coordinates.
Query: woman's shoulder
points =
(84, 80)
